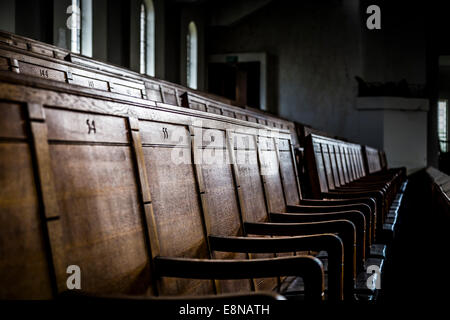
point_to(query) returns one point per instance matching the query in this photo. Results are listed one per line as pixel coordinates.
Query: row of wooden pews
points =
(439, 183)
(155, 190)
(30, 57)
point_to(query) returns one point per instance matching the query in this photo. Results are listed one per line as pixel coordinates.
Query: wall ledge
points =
(392, 103)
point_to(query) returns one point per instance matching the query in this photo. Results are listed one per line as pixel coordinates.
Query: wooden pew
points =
(341, 169)
(254, 210)
(88, 196)
(164, 93)
(439, 183)
(336, 168)
(38, 59)
(248, 119)
(285, 203)
(245, 200)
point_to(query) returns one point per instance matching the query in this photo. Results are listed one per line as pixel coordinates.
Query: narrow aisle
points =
(417, 268)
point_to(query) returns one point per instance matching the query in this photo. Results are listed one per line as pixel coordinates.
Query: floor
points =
(418, 268)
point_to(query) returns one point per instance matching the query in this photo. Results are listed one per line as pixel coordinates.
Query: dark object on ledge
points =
(390, 89)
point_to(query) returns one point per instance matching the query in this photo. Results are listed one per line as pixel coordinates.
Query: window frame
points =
(442, 132)
(192, 55)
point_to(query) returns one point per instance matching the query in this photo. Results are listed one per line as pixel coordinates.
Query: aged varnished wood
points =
(359, 168)
(23, 55)
(149, 143)
(90, 157)
(439, 184)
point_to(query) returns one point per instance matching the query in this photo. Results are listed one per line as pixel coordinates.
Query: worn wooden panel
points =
(361, 161)
(253, 199)
(24, 271)
(327, 166)
(289, 177)
(41, 72)
(170, 95)
(228, 113)
(283, 145)
(350, 171)
(261, 121)
(100, 228)
(251, 119)
(223, 210)
(245, 142)
(272, 179)
(177, 213)
(214, 110)
(212, 138)
(197, 105)
(357, 163)
(373, 159)
(344, 164)
(164, 133)
(337, 153)
(223, 206)
(126, 90)
(17, 43)
(266, 143)
(320, 167)
(251, 186)
(89, 82)
(12, 123)
(41, 50)
(78, 126)
(334, 165)
(352, 163)
(241, 116)
(4, 64)
(153, 92)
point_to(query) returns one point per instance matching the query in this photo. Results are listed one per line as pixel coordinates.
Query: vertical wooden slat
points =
(149, 217)
(146, 199)
(235, 173)
(196, 153)
(241, 205)
(41, 149)
(277, 152)
(46, 185)
(263, 178)
(297, 180)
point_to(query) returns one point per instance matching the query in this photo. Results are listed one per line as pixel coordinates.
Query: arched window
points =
(86, 27)
(191, 56)
(80, 24)
(147, 38)
(75, 26)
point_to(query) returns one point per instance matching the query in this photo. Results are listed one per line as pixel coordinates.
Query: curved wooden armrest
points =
(345, 230)
(359, 188)
(381, 204)
(317, 242)
(351, 194)
(307, 267)
(378, 196)
(356, 217)
(371, 202)
(361, 207)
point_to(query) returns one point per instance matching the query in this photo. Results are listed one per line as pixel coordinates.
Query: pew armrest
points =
(349, 194)
(357, 219)
(371, 202)
(317, 242)
(307, 267)
(344, 227)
